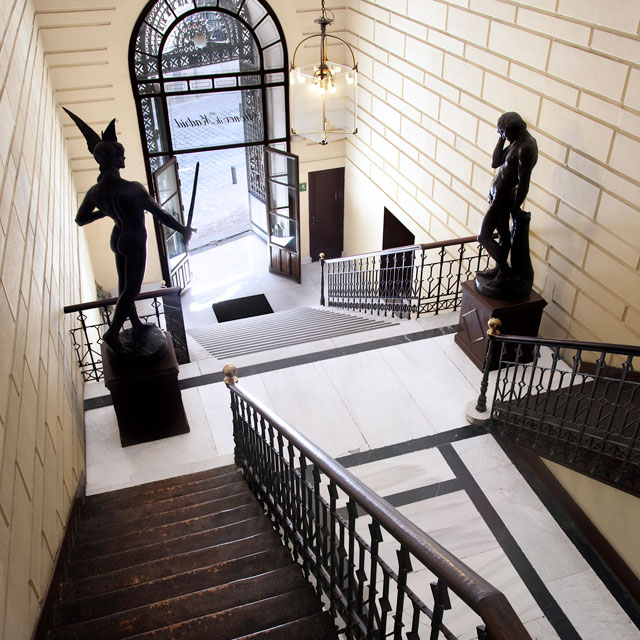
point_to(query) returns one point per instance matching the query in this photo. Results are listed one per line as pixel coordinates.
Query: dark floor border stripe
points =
(411, 496)
(285, 363)
(410, 446)
(547, 603)
(564, 520)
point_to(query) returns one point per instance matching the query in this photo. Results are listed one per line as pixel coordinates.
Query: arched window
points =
(209, 75)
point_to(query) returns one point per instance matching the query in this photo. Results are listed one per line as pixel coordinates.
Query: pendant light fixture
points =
(324, 95)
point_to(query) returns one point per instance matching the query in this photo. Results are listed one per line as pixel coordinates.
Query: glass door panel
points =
(175, 256)
(283, 212)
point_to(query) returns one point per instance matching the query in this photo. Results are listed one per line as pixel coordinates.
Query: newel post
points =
(322, 300)
(494, 330)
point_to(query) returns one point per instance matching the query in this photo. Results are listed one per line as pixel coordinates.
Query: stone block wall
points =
(41, 422)
(434, 77)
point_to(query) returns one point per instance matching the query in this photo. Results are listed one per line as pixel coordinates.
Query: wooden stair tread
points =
(91, 525)
(139, 555)
(165, 532)
(246, 619)
(186, 607)
(176, 584)
(141, 494)
(156, 569)
(317, 627)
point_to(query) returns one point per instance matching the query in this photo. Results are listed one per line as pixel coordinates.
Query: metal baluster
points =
(94, 365)
(404, 568)
(318, 532)
(376, 539)
(442, 254)
(174, 321)
(577, 361)
(385, 605)
(461, 251)
(632, 445)
(305, 517)
(420, 282)
(626, 367)
(352, 511)
(335, 563)
(322, 301)
(294, 502)
(441, 603)
(555, 356)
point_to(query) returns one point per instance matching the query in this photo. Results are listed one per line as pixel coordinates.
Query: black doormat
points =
(242, 308)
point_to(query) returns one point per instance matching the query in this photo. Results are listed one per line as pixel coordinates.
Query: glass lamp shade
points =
(323, 109)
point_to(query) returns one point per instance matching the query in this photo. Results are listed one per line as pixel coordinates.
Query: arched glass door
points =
(210, 80)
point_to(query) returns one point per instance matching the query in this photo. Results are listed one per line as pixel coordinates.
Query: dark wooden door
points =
(396, 270)
(326, 213)
(283, 212)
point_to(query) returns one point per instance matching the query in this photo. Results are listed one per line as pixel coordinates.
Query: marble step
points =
(125, 624)
(176, 584)
(250, 619)
(166, 548)
(278, 330)
(165, 532)
(167, 511)
(167, 566)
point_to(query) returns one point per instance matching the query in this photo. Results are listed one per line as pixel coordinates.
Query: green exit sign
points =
(303, 186)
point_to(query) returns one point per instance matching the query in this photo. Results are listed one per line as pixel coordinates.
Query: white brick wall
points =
(40, 400)
(571, 68)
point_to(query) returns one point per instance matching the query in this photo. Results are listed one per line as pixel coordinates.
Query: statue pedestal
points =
(518, 318)
(148, 401)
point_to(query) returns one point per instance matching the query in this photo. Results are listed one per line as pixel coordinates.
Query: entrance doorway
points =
(210, 81)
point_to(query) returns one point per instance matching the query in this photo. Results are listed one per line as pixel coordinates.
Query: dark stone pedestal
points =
(518, 318)
(147, 401)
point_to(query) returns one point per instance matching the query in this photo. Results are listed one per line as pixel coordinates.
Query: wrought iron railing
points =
(575, 403)
(335, 526)
(406, 281)
(163, 308)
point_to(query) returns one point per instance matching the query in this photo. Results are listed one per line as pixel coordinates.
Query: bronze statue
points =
(124, 202)
(509, 281)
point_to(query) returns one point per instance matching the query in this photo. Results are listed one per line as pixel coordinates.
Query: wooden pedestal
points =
(148, 402)
(518, 319)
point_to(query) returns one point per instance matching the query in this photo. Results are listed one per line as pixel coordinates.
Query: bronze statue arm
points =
(498, 153)
(167, 219)
(87, 212)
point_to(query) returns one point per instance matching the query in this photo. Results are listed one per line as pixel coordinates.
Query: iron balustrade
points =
(405, 281)
(335, 527)
(164, 310)
(575, 403)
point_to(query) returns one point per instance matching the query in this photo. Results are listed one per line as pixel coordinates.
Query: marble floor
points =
(391, 408)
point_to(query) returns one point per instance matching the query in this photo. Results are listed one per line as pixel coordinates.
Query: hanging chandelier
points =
(324, 95)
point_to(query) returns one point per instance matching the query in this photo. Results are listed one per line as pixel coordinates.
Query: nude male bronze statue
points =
(125, 202)
(508, 191)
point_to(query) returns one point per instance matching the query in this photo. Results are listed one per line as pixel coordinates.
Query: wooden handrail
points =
(475, 591)
(96, 304)
(412, 247)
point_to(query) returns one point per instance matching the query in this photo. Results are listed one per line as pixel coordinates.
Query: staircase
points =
(281, 329)
(184, 558)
